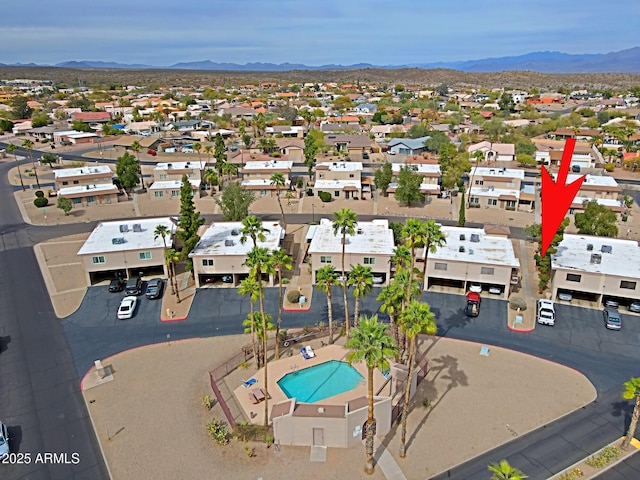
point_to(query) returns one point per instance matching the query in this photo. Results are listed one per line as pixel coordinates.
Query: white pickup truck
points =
(545, 312)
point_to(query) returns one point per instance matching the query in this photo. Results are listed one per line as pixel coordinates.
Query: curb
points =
(175, 319)
(518, 330)
(304, 309)
(95, 430)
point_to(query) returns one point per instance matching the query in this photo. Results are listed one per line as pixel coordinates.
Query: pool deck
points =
(254, 413)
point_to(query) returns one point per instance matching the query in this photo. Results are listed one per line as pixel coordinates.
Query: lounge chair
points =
(250, 382)
(303, 352)
(310, 351)
(253, 398)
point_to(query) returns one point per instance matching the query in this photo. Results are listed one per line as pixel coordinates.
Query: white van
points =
(545, 312)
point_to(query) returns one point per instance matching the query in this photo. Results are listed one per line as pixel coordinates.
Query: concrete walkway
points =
(386, 462)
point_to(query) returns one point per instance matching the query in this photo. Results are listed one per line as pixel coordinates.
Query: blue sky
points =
(381, 32)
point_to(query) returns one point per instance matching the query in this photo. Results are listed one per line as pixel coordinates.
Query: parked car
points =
(116, 285)
(391, 152)
(611, 303)
(612, 319)
(634, 306)
(565, 296)
(227, 279)
(154, 288)
(495, 290)
(133, 286)
(152, 152)
(377, 279)
(365, 156)
(545, 312)
(127, 307)
(475, 288)
(4, 441)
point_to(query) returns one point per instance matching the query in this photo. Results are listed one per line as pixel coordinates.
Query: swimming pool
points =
(321, 381)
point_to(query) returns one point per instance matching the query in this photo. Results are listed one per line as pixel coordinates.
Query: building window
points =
(369, 260)
(158, 194)
(492, 202)
(336, 193)
(76, 201)
(628, 285)
(91, 199)
(486, 270)
(572, 277)
(325, 259)
(163, 176)
(65, 183)
(511, 204)
(351, 175)
(107, 199)
(145, 255)
(175, 193)
(207, 262)
(479, 182)
(475, 200)
(97, 259)
(76, 182)
(439, 266)
(321, 175)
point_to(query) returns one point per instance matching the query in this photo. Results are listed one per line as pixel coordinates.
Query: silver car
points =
(612, 319)
(634, 306)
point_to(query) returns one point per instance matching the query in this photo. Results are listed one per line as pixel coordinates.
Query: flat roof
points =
(417, 167)
(337, 184)
(180, 165)
(261, 182)
(167, 184)
(268, 165)
(77, 172)
(340, 166)
(373, 237)
(498, 172)
(223, 238)
(573, 254)
(595, 180)
(606, 202)
(101, 239)
(100, 188)
(493, 192)
(489, 249)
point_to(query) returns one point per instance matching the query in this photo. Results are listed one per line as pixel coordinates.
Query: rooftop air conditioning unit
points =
(462, 237)
(117, 241)
(229, 243)
(475, 238)
(589, 247)
(137, 227)
(461, 249)
(606, 249)
(596, 258)
(235, 232)
(124, 228)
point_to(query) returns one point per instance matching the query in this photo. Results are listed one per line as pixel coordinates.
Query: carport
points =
(446, 285)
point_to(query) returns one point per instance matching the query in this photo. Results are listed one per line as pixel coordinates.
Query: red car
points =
(152, 152)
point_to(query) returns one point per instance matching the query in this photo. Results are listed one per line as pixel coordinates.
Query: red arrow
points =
(557, 196)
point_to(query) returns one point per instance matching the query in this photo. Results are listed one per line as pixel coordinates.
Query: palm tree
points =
(249, 287)
(433, 238)
(415, 319)
(136, 147)
(370, 343)
(390, 298)
(229, 169)
(164, 232)
(280, 261)
(258, 261)
(401, 257)
(413, 231)
(632, 392)
(345, 223)
(172, 256)
(327, 277)
(210, 177)
(197, 147)
(361, 279)
(208, 150)
(11, 148)
(252, 228)
(503, 471)
(28, 144)
(278, 181)
(254, 325)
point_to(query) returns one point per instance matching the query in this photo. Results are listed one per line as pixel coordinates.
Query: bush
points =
(39, 193)
(218, 431)
(293, 296)
(609, 167)
(309, 192)
(300, 182)
(41, 202)
(518, 303)
(324, 196)
(606, 456)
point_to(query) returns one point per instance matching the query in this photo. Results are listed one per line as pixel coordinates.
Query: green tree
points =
(462, 214)
(28, 144)
(596, 220)
(435, 141)
(211, 178)
(254, 325)
(632, 392)
(382, 177)
(171, 257)
(361, 279)
(418, 130)
(189, 222)
(280, 261)
(391, 298)
(11, 149)
(65, 205)
(39, 119)
(311, 149)
(249, 287)
(19, 108)
(417, 318)
(252, 228)
(408, 190)
(235, 202)
(48, 159)
(494, 128)
(525, 146)
(5, 125)
(414, 234)
(533, 231)
(432, 238)
(128, 171)
(327, 277)
(371, 344)
(526, 160)
(219, 153)
(198, 147)
(503, 471)
(344, 223)
(280, 182)
(544, 263)
(162, 231)
(506, 103)
(80, 126)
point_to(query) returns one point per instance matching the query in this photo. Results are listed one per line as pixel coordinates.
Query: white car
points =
(545, 312)
(475, 288)
(4, 441)
(127, 307)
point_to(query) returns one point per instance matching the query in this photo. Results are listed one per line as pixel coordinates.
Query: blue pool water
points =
(321, 381)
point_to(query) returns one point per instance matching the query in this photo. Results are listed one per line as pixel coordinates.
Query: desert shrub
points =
(293, 296)
(518, 303)
(324, 196)
(218, 431)
(604, 458)
(39, 193)
(609, 167)
(41, 202)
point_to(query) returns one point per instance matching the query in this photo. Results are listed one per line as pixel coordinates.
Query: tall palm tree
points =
(632, 392)
(254, 325)
(28, 144)
(417, 318)
(401, 257)
(11, 148)
(136, 147)
(370, 343)
(229, 169)
(252, 228)
(390, 298)
(249, 288)
(327, 277)
(345, 223)
(164, 232)
(361, 279)
(258, 261)
(413, 231)
(278, 181)
(280, 261)
(208, 149)
(172, 256)
(210, 177)
(503, 471)
(197, 147)
(433, 238)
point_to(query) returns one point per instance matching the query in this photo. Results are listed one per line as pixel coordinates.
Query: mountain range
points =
(623, 61)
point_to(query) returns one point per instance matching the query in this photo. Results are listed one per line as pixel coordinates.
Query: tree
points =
(19, 108)
(80, 126)
(128, 170)
(48, 159)
(254, 325)
(310, 151)
(525, 146)
(235, 202)
(249, 288)
(5, 125)
(11, 148)
(252, 228)
(345, 223)
(442, 89)
(418, 130)
(211, 178)
(162, 231)
(494, 128)
(596, 220)
(65, 205)
(171, 256)
(391, 299)
(408, 190)
(279, 181)
(197, 147)
(361, 279)
(136, 148)
(189, 222)
(506, 103)
(414, 234)
(28, 144)
(219, 153)
(417, 318)
(371, 344)
(433, 238)
(461, 214)
(327, 277)
(526, 160)
(280, 261)
(435, 141)
(503, 471)
(382, 177)
(39, 119)
(632, 392)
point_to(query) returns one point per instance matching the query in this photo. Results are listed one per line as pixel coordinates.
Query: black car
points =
(154, 288)
(116, 285)
(365, 156)
(133, 286)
